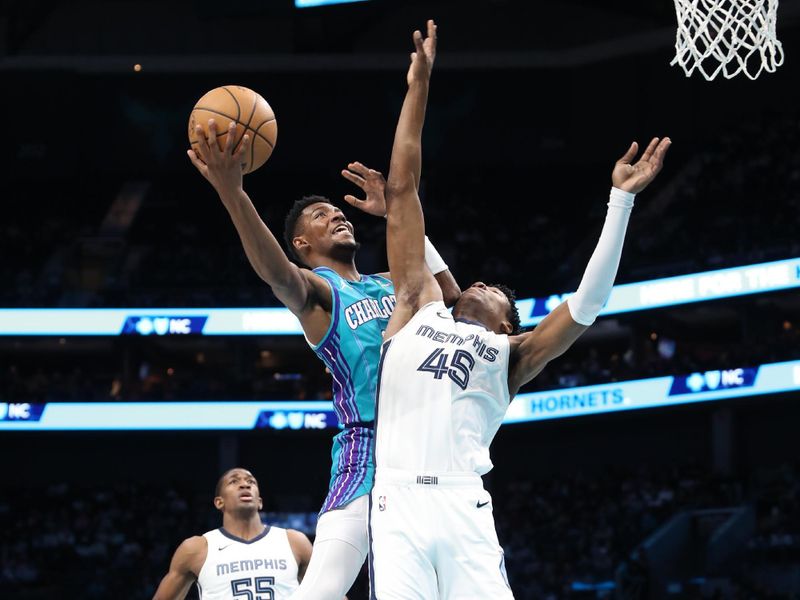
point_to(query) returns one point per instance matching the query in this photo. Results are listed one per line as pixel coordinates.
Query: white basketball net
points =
(728, 36)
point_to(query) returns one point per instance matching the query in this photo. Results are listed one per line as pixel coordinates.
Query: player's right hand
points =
(423, 57)
(223, 168)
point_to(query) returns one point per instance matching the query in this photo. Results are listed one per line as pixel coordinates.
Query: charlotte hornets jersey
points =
(443, 393)
(264, 567)
(351, 351)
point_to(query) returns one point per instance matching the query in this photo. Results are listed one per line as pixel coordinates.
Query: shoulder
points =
(516, 343)
(320, 285)
(191, 554)
(300, 545)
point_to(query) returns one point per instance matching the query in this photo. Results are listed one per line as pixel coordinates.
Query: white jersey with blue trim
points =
(264, 567)
(442, 395)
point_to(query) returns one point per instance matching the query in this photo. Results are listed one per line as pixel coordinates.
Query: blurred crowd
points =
(567, 534)
(564, 537)
(235, 369)
(735, 201)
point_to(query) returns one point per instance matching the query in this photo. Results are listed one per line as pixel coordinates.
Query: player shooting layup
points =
(343, 315)
(445, 381)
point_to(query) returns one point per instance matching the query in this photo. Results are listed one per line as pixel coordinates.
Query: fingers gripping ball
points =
(252, 115)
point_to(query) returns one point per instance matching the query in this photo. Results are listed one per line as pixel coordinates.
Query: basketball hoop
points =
(728, 36)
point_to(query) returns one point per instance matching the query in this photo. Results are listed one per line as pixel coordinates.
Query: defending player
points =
(243, 558)
(446, 381)
(343, 315)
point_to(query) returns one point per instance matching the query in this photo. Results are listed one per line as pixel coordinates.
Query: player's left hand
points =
(372, 183)
(635, 177)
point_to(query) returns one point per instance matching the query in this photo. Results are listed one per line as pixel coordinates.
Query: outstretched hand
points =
(372, 183)
(423, 56)
(222, 167)
(635, 177)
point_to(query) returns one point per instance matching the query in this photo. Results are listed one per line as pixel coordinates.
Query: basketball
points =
(251, 113)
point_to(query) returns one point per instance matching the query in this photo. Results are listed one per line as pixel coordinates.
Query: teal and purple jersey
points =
(351, 350)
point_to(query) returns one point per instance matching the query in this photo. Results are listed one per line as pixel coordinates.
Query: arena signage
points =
(657, 293)
(735, 382)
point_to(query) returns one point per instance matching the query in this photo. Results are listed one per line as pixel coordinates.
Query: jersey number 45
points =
(458, 370)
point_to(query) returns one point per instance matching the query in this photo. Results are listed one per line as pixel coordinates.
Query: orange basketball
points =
(252, 115)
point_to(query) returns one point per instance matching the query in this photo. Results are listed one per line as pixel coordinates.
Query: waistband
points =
(361, 424)
(422, 478)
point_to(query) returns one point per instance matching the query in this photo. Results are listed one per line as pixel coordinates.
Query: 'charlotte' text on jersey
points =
(368, 309)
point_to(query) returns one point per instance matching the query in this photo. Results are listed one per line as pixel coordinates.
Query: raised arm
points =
(296, 288)
(405, 229)
(183, 570)
(531, 351)
(374, 203)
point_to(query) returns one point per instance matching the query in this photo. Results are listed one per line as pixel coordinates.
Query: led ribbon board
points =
(684, 289)
(314, 415)
(657, 293)
(310, 3)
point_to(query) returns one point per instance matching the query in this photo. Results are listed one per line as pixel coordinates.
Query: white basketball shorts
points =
(433, 536)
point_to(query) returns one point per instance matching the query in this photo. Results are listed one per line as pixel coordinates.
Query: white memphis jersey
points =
(443, 393)
(263, 567)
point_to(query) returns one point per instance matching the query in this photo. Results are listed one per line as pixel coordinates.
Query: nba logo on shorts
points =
(381, 503)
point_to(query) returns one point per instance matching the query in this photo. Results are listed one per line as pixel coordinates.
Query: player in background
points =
(343, 315)
(446, 380)
(242, 559)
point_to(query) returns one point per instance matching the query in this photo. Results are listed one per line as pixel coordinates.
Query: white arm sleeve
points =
(598, 279)
(432, 258)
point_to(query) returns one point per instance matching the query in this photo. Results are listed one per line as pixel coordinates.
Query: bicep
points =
(183, 569)
(296, 288)
(301, 548)
(410, 300)
(553, 336)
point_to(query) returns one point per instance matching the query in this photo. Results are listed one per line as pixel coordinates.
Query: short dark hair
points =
(221, 482)
(513, 313)
(290, 225)
(224, 476)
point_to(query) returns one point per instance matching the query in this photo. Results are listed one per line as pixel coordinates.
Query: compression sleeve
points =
(598, 279)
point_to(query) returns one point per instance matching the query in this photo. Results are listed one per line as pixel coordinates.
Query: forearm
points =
(407, 148)
(598, 279)
(174, 586)
(405, 226)
(262, 249)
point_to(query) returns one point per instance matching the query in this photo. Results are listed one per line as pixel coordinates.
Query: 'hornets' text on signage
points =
(564, 401)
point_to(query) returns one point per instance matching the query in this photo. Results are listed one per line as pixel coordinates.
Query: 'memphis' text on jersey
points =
(368, 309)
(484, 351)
(242, 566)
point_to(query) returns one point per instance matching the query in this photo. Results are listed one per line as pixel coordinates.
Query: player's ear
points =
(260, 503)
(300, 244)
(505, 327)
(219, 503)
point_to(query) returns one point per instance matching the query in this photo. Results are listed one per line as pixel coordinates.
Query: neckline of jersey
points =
(362, 276)
(471, 322)
(229, 535)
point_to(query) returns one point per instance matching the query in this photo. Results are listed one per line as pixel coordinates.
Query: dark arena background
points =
(658, 458)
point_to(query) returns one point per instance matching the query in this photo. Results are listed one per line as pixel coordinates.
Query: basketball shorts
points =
(346, 524)
(433, 536)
